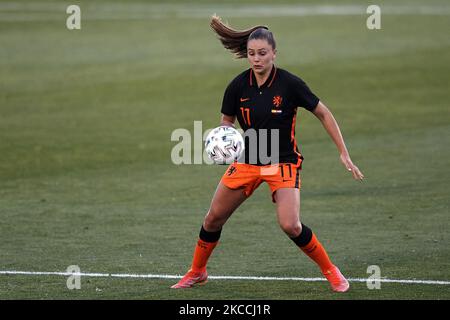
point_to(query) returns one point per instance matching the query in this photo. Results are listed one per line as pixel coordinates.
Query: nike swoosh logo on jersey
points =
(244, 99)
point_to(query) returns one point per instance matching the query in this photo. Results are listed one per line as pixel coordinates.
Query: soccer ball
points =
(223, 145)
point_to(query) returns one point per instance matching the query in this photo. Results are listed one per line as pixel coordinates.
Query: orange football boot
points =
(336, 279)
(190, 279)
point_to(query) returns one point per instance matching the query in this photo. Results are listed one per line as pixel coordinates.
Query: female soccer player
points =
(266, 97)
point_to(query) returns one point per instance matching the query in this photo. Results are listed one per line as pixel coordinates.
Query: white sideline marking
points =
(167, 276)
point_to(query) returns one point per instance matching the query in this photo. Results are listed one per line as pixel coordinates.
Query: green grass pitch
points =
(86, 176)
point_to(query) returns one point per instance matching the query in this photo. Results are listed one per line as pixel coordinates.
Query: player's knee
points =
(291, 229)
(213, 220)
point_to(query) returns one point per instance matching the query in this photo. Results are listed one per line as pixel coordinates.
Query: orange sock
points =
(317, 253)
(202, 252)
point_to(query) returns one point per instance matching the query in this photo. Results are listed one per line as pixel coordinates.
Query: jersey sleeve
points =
(302, 95)
(230, 99)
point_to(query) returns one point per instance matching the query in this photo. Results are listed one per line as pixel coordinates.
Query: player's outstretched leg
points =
(288, 210)
(311, 246)
(223, 204)
(197, 274)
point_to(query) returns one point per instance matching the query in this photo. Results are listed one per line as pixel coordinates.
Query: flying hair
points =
(236, 40)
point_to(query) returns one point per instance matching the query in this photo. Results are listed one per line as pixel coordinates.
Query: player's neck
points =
(262, 78)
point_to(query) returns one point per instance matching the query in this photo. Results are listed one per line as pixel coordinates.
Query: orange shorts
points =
(249, 177)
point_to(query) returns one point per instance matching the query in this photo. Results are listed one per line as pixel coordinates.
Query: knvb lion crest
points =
(277, 100)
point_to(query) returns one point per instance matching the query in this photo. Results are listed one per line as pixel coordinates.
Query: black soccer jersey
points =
(271, 106)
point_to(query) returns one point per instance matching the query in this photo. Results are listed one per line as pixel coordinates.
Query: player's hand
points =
(347, 162)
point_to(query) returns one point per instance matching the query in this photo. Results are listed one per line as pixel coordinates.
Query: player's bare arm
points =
(329, 122)
(227, 120)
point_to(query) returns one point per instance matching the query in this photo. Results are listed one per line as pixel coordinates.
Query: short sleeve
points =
(302, 95)
(230, 98)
